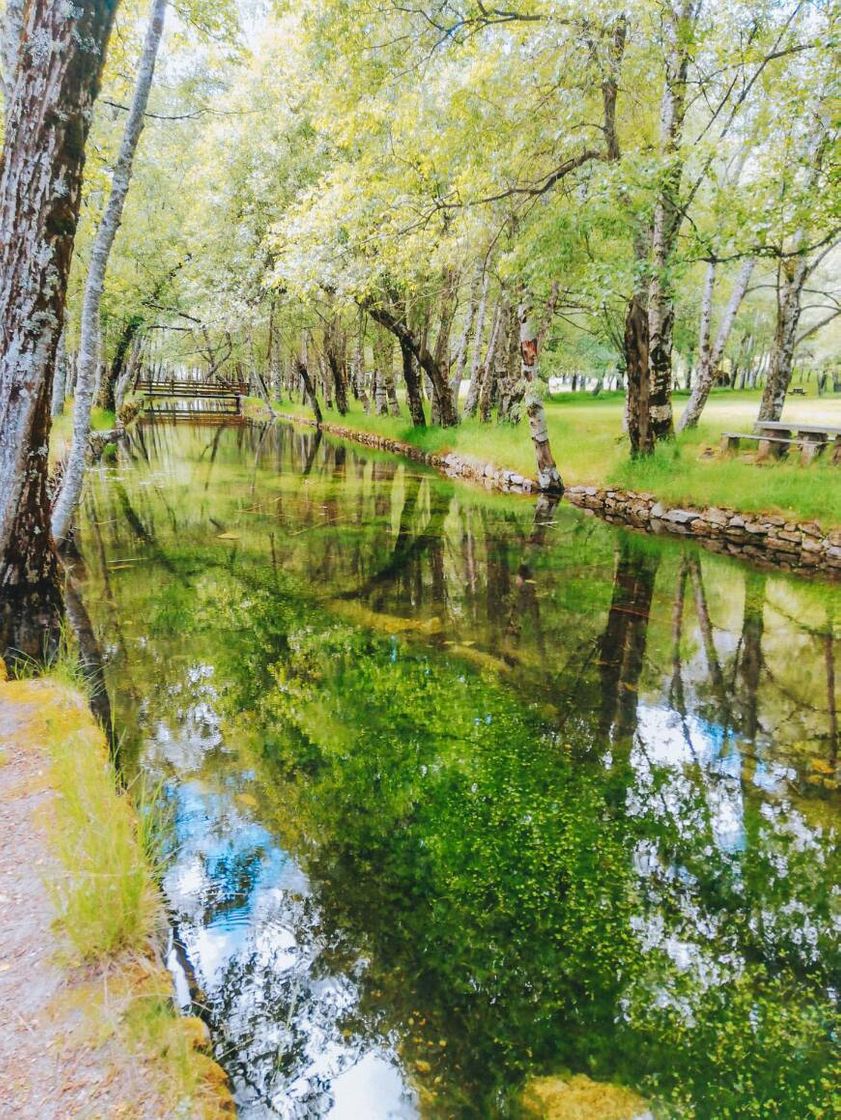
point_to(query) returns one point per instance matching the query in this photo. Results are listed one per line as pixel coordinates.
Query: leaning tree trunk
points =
(48, 115)
(409, 342)
(785, 338)
(309, 391)
(709, 357)
(71, 487)
(548, 477)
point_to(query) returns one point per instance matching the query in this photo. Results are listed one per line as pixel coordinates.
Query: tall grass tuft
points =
(104, 893)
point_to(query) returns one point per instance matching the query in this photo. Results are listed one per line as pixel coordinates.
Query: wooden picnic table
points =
(776, 437)
(789, 426)
(811, 438)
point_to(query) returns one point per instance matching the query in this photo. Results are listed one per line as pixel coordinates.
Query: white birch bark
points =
(10, 46)
(71, 488)
(473, 390)
(548, 477)
(710, 356)
(464, 341)
(59, 376)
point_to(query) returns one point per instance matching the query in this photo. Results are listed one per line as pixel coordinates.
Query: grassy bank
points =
(587, 440)
(107, 997)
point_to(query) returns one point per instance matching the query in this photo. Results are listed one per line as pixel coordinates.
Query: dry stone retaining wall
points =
(762, 538)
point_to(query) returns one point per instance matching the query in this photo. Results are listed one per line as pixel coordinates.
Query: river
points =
(456, 790)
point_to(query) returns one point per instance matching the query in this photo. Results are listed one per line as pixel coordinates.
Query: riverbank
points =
(591, 451)
(90, 1027)
(780, 533)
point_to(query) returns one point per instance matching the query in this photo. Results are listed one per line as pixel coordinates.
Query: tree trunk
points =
(410, 376)
(10, 49)
(638, 382)
(464, 341)
(486, 376)
(111, 375)
(357, 369)
(510, 385)
(384, 371)
(127, 375)
(309, 391)
(48, 115)
(409, 342)
(335, 354)
(548, 478)
(710, 357)
(476, 370)
(794, 270)
(71, 488)
(679, 26)
(59, 377)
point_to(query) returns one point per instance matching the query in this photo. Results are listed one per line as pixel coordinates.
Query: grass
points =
(587, 439)
(105, 895)
(103, 886)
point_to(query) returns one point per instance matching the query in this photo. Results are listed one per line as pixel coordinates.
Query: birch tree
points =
(548, 476)
(71, 487)
(709, 356)
(57, 79)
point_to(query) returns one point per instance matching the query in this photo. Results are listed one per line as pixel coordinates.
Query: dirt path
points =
(65, 1051)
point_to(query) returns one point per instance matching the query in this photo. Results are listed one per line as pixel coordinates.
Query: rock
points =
(681, 516)
(811, 529)
(777, 545)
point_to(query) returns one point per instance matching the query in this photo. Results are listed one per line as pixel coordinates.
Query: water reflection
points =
(464, 788)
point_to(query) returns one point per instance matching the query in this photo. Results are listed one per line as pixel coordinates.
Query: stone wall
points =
(762, 538)
(755, 536)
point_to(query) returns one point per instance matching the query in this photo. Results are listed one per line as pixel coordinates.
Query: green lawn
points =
(587, 440)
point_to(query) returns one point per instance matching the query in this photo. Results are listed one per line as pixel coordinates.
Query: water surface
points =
(463, 789)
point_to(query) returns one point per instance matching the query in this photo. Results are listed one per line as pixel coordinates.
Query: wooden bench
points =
(730, 441)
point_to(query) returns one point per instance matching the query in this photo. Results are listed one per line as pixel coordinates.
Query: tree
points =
(710, 355)
(48, 116)
(71, 487)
